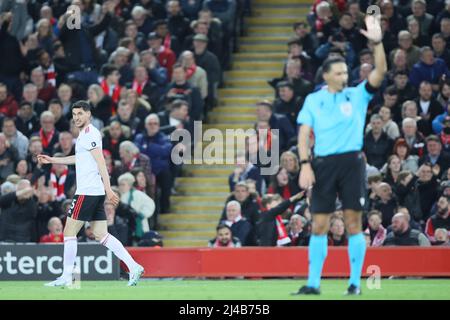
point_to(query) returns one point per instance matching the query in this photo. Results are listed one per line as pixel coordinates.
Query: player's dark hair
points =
(326, 67)
(82, 104)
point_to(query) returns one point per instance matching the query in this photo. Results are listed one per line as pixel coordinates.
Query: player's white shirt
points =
(89, 181)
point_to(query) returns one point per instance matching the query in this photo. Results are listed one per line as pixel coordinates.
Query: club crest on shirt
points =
(346, 109)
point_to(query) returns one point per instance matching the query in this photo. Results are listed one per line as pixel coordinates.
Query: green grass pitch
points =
(417, 289)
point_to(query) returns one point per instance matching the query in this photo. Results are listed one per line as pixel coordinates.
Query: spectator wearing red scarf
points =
(144, 87)
(165, 56)
(272, 231)
(195, 75)
(110, 83)
(61, 180)
(169, 41)
(48, 133)
(281, 185)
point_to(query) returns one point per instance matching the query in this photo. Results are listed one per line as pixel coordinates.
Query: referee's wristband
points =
(302, 162)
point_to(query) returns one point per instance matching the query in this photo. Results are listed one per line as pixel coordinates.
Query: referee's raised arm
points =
(375, 35)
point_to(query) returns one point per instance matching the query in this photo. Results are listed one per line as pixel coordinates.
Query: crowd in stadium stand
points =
(406, 140)
(147, 68)
(151, 67)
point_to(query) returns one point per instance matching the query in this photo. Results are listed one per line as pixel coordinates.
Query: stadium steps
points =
(203, 188)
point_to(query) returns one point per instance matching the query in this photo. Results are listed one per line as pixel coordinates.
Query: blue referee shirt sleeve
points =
(305, 116)
(366, 95)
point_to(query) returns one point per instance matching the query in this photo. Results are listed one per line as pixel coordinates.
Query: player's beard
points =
(82, 125)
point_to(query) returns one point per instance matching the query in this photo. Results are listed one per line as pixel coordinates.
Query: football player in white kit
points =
(88, 204)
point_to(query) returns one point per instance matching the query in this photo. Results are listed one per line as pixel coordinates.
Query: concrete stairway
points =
(203, 188)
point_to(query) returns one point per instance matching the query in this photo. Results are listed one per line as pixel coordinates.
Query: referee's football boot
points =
(353, 291)
(135, 275)
(305, 290)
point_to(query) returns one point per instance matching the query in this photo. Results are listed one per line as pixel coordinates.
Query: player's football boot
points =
(305, 290)
(60, 282)
(353, 291)
(135, 275)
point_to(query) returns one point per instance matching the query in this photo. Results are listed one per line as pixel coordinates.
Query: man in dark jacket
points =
(403, 235)
(12, 61)
(439, 220)
(177, 117)
(439, 159)
(428, 107)
(428, 189)
(386, 203)
(126, 117)
(157, 146)
(19, 209)
(287, 103)
(240, 227)
(210, 63)
(276, 121)
(249, 207)
(377, 144)
(180, 87)
(79, 46)
(178, 24)
(408, 194)
(8, 158)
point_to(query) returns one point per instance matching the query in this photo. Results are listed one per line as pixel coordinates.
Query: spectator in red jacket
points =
(46, 90)
(166, 57)
(439, 220)
(8, 105)
(55, 235)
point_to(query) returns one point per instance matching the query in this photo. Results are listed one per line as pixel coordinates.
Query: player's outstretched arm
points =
(45, 159)
(374, 34)
(101, 164)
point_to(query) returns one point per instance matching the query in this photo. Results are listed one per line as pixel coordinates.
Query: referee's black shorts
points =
(340, 175)
(87, 208)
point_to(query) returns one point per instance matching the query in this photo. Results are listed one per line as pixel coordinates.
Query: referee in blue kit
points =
(337, 115)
